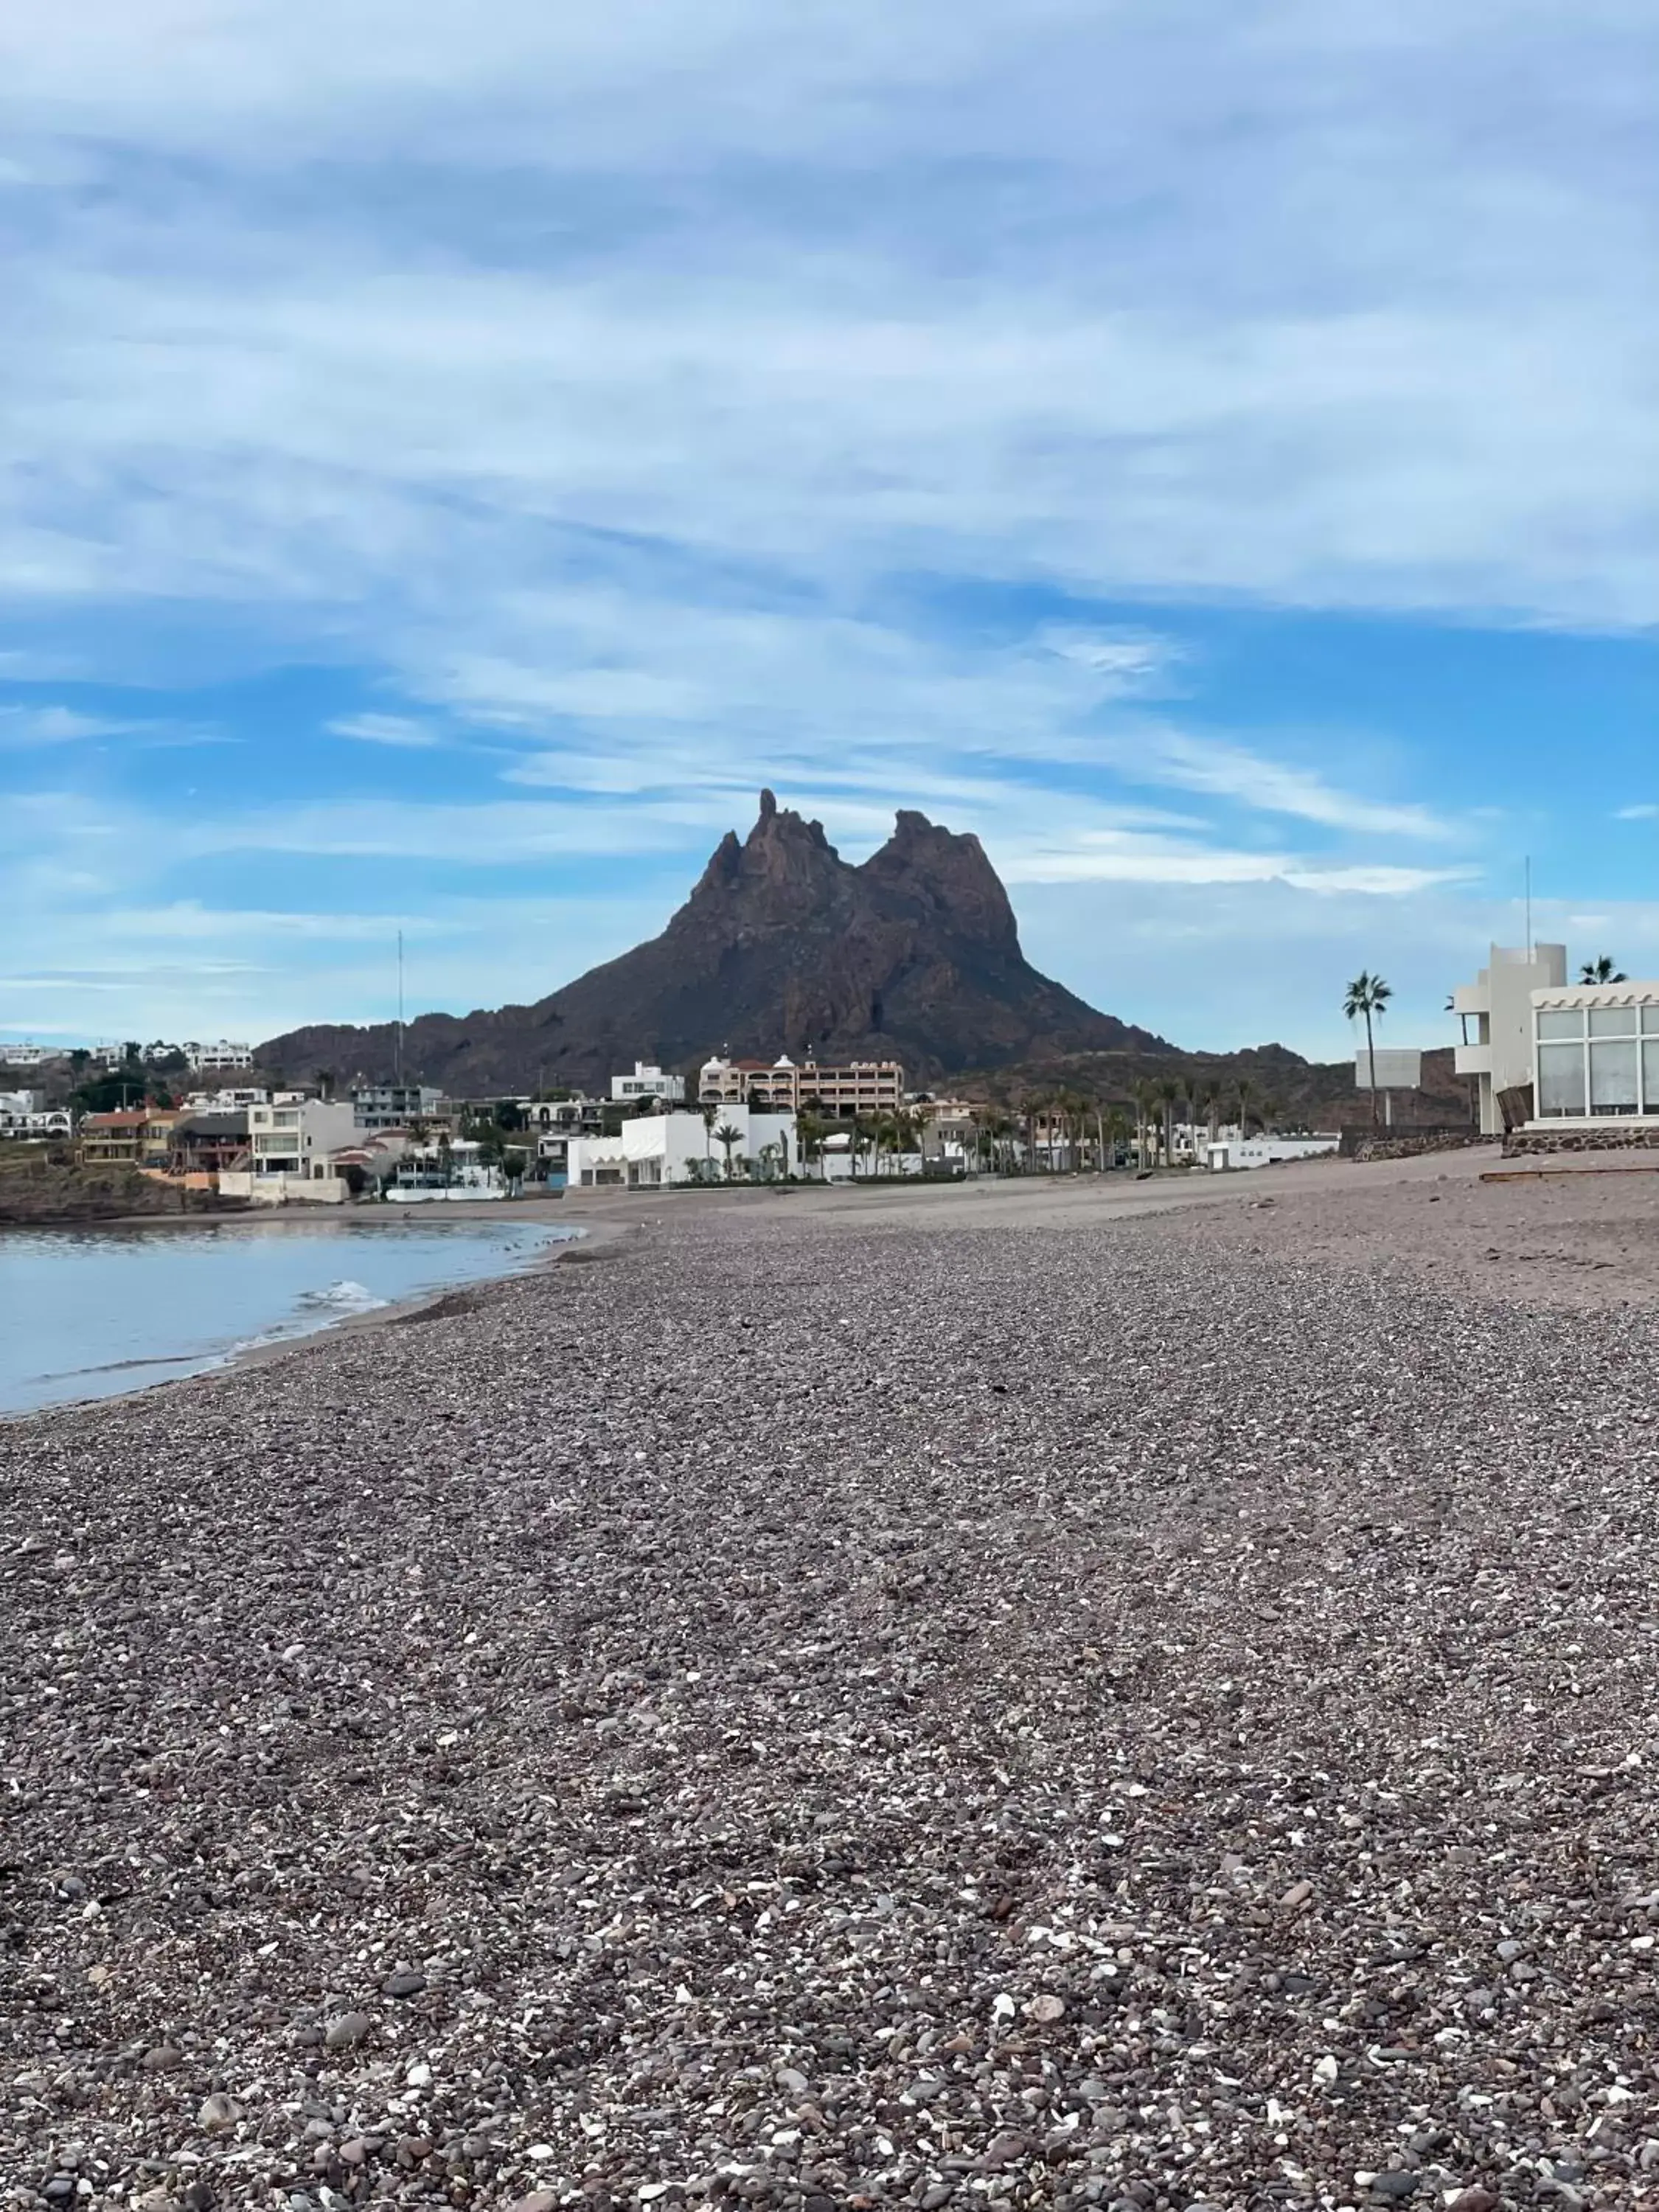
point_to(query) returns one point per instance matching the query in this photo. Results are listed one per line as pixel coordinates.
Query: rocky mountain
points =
(782, 946)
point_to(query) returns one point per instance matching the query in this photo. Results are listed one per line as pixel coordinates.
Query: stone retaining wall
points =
(1635, 1137)
(1408, 1147)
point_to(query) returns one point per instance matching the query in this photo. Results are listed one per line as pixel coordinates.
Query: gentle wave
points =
(344, 1297)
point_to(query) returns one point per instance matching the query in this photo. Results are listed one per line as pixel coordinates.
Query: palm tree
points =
(1077, 1110)
(1168, 1091)
(711, 1113)
(1602, 971)
(905, 1130)
(1144, 1101)
(1211, 1101)
(726, 1137)
(1118, 1129)
(1369, 996)
(995, 1130)
(810, 1131)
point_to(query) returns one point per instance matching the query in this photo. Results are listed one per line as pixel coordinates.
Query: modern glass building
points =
(1596, 1053)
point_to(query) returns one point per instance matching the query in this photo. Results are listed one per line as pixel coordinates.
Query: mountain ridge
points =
(913, 954)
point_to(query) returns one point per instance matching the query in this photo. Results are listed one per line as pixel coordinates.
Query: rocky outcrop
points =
(781, 946)
(35, 1190)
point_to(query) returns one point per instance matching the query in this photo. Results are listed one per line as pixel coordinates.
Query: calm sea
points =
(88, 1312)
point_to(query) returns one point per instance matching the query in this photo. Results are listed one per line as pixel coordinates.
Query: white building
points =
(1262, 1151)
(661, 1149)
(454, 1171)
(648, 1081)
(26, 1055)
(1595, 1051)
(217, 1058)
(292, 1143)
(1499, 1003)
(228, 1101)
(25, 1117)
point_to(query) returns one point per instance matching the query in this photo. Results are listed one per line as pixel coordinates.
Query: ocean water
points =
(87, 1312)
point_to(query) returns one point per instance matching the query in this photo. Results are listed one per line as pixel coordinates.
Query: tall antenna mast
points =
(401, 1006)
(1529, 869)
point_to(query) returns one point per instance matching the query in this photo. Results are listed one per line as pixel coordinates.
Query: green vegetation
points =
(1367, 995)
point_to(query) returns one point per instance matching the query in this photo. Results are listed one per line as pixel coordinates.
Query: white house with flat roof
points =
(292, 1142)
(1498, 1005)
(660, 1149)
(648, 1081)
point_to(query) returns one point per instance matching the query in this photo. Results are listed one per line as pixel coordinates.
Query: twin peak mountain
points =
(783, 947)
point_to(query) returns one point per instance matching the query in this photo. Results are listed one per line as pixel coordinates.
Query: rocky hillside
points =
(1292, 1092)
(782, 946)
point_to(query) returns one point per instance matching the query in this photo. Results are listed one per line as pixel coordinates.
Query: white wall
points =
(1269, 1151)
(659, 1148)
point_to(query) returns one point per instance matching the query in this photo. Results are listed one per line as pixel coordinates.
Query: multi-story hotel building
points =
(780, 1086)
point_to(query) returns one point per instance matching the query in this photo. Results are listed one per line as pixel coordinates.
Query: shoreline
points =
(563, 1242)
(283, 1216)
(1334, 1205)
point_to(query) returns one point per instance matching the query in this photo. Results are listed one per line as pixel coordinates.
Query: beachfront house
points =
(1551, 1055)
(1498, 1007)
(207, 1143)
(292, 1144)
(1595, 1052)
(115, 1139)
(660, 1149)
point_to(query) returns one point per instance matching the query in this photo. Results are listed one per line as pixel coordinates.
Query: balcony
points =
(1472, 1060)
(1472, 999)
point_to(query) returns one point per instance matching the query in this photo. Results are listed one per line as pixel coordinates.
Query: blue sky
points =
(453, 457)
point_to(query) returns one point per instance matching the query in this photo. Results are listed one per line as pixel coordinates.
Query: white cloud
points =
(384, 730)
(684, 460)
(1643, 812)
(53, 725)
(1123, 663)
(1217, 304)
(1128, 856)
(1225, 770)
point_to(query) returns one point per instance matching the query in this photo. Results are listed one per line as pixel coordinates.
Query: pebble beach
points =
(932, 1701)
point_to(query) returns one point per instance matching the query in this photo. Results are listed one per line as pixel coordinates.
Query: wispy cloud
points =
(384, 730)
(1126, 856)
(1645, 811)
(1225, 770)
(1124, 664)
(22, 726)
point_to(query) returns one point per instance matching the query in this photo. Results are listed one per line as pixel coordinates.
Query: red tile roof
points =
(130, 1117)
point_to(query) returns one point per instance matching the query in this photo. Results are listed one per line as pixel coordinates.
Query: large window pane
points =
(1650, 1075)
(1650, 1020)
(1613, 1078)
(1613, 1021)
(1570, 1024)
(1560, 1078)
